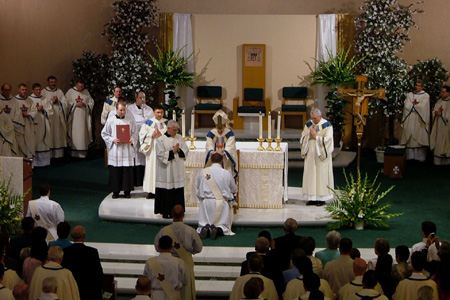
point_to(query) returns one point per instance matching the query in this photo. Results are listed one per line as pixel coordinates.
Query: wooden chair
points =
(253, 102)
(298, 94)
(209, 101)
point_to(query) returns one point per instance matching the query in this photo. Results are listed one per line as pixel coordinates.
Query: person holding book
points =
(120, 136)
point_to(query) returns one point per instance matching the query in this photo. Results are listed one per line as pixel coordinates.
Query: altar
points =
(263, 175)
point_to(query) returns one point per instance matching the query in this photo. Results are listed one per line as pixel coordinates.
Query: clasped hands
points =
(117, 141)
(312, 133)
(176, 148)
(156, 133)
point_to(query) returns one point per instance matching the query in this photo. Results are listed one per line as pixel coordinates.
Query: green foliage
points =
(11, 207)
(338, 70)
(93, 69)
(358, 201)
(434, 75)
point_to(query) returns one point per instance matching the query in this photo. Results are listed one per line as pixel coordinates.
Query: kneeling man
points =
(216, 187)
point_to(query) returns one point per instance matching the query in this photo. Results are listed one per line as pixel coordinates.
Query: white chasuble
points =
(440, 134)
(27, 144)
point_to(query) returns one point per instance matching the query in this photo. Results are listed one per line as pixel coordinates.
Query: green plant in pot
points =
(169, 69)
(339, 70)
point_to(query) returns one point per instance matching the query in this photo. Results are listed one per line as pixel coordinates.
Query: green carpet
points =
(80, 186)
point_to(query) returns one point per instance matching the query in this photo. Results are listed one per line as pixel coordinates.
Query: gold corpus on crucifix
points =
(360, 105)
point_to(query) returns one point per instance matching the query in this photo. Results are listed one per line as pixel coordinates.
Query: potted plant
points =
(11, 207)
(169, 68)
(338, 70)
(358, 204)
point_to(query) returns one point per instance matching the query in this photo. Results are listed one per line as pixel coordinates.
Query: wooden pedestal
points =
(394, 162)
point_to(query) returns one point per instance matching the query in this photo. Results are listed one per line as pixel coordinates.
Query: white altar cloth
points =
(263, 175)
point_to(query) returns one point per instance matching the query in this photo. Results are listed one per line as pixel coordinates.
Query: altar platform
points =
(140, 210)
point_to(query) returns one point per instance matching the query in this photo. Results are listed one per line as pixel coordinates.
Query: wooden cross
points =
(360, 105)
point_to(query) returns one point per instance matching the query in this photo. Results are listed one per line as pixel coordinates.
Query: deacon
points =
(42, 121)
(26, 140)
(79, 131)
(440, 135)
(221, 139)
(58, 121)
(316, 146)
(215, 190)
(150, 131)
(141, 113)
(171, 152)
(120, 136)
(416, 123)
(10, 118)
(110, 104)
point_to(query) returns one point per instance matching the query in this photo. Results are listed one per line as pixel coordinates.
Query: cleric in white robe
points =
(9, 115)
(171, 153)
(7, 135)
(316, 148)
(79, 128)
(110, 104)
(440, 134)
(215, 190)
(42, 127)
(221, 138)
(29, 111)
(58, 120)
(120, 153)
(141, 113)
(416, 123)
(150, 131)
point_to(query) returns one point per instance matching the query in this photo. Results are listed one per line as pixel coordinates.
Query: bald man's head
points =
(178, 213)
(359, 266)
(78, 233)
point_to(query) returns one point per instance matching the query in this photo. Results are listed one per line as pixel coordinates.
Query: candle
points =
(269, 126)
(183, 124)
(278, 125)
(260, 125)
(174, 115)
(192, 123)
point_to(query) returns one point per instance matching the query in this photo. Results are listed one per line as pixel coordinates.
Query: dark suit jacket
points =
(84, 262)
(284, 245)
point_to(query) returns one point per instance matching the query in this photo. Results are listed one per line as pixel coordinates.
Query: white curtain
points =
(182, 37)
(326, 43)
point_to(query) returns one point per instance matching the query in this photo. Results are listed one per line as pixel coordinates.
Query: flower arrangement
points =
(169, 68)
(359, 201)
(11, 207)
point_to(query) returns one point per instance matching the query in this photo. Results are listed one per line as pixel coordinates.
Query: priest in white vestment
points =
(79, 122)
(43, 131)
(316, 148)
(141, 113)
(27, 143)
(110, 104)
(9, 115)
(221, 138)
(416, 123)
(171, 153)
(440, 134)
(121, 153)
(215, 190)
(58, 120)
(150, 131)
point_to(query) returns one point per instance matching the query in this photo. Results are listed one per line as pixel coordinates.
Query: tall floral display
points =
(127, 34)
(382, 29)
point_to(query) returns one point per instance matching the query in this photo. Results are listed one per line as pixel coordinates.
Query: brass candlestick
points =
(269, 147)
(192, 147)
(260, 148)
(278, 148)
(185, 138)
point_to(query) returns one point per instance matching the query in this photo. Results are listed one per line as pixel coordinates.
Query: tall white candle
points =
(260, 125)
(278, 125)
(174, 115)
(269, 126)
(192, 123)
(183, 124)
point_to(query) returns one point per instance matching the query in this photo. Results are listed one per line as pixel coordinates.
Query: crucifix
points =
(360, 105)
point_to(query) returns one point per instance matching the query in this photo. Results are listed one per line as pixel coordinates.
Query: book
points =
(123, 133)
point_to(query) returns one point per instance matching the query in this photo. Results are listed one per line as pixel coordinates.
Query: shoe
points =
(127, 195)
(115, 195)
(150, 196)
(214, 232)
(309, 203)
(320, 203)
(204, 232)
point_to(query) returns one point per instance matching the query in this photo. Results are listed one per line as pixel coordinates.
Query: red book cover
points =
(123, 133)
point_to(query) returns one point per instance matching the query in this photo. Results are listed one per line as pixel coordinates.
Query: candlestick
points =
(192, 123)
(174, 115)
(269, 147)
(269, 126)
(260, 125)
(278, 148)
(183, 124)
(192, 146)
(278, 125)
(260, 148)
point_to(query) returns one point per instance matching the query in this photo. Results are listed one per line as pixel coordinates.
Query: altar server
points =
(110, 104)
